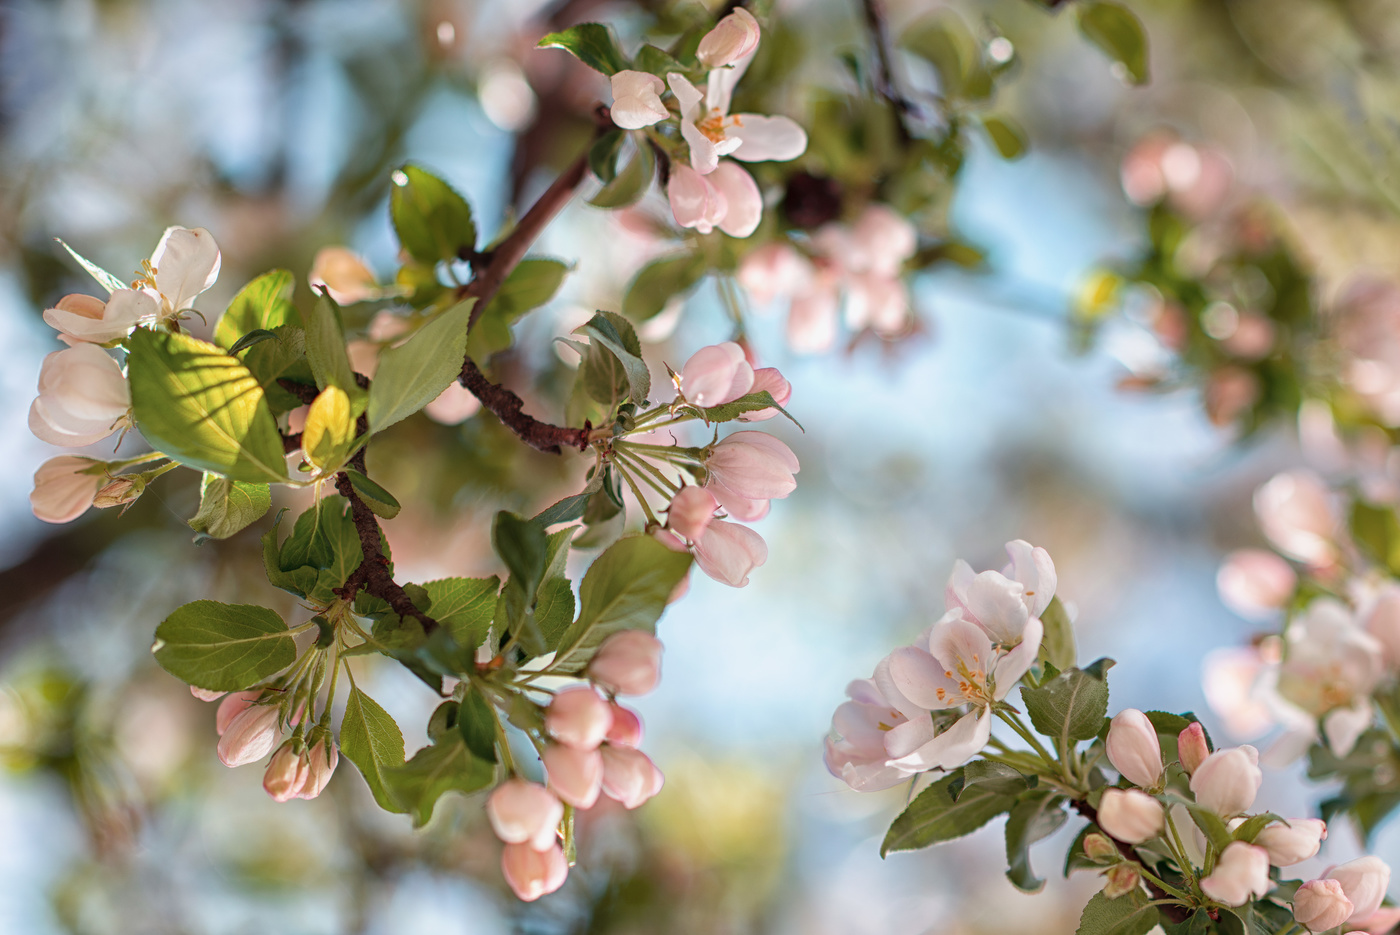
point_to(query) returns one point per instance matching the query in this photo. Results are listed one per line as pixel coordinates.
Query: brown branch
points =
(373, 573)
(506, 406)
(1176, 914)
(885, 84)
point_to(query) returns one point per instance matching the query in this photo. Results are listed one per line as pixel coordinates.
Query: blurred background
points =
(275, 125)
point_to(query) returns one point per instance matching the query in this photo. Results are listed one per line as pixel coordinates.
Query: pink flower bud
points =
(344, 274)
(881, 240)
(753, 465)
(1294, 842)
(1228, 780)
(322, 762)
(576, 776)
(727, 552)
(1133, 748)
(1130, 815)
(250, 736)
(716, 374)
(1241, 874)
(61, 492)
(691, 511)
(629, 776)
(287, 773)
(81, 318)
(733, 37)
(1121, 880)
(1255, 583)
(1298, 514)
(627, 663)
(1192, 748)
(1364, 881)
(770, 380)
(626, 730)
(531, 873)
(637, 100)
(204, 694)
(1321, 905)
(1097, 847)
(524, 812)
(578, 718)
(83, 397)
(232, 706)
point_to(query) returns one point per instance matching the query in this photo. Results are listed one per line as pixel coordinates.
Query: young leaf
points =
(330, 428)
(631, 183)
(590, 43)
(433, 222)
(1071, 706)
(936, 816)
(1007, 136)
(371, 739)
(658, 282)
(751, 402)
(464, 606)
(325, 347)
(617, 336)
(299, 580)
(1038, 814)
(380, 501)
(1212, 826)
(1127, 915)
(602, 155)
(202, 407)
(416, 372)
(531, 284)
(228, 506)
(656, 61)
(223, 647)
(554, 610)
(1057, 646)
(282, 358)
(418, 784)
(263, 304)
(1118, 32)
(476, 720)
(565, 511)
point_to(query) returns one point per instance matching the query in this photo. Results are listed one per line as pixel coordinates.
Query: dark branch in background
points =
(885, 84)
(1175, 914)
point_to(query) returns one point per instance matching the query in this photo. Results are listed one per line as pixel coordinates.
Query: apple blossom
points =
(523, 812)
(1330, 667)
(1255, 583)
(286, 773)
(814, 315)
(63, 490)
(637, 100)
(1241, 874)
(322, 761)
(857, 756)
(83, 397)
(1134, 750)
(578, 718)
(576, 776)
(727, 198)
(1192, 748)
(1228, 780)
(626, 729)
(344, 275)
(768, 380)
(185, 263)
(250, 735)
(733, 37)
(691, 511)
(712, 132)
(1130, 815)
(204, 694)
(1231, 677)
(1364, 880)
(233, 705)
(959, 666)
(627, 663)
(1002, 602)
(79, 318)
(1320, 905)
(773, 270)
(727, 552)
(751, 465)
(629, 775)
(716, 374)
(1294, 842)
(1297, 513)
(531, 873)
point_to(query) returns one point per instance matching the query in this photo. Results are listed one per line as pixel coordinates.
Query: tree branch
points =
(885, 84)
(506, 406)
(1176, 914)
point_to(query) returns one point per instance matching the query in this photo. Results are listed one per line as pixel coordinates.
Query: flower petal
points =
(1015, 663)
(741, 195)
(187, 262)
(765, 138)
(920, 678)
(956, 643)
(954, 747)
(688, 96)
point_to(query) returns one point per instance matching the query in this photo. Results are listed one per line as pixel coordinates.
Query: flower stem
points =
(1010, 718)
(636, 492)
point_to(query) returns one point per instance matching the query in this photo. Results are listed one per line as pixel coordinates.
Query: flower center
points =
(713, 124)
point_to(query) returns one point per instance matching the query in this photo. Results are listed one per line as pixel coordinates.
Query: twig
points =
(885, 84)
(506, 406)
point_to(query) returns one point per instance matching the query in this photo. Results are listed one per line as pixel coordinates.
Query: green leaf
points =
(602, 155)
(943, 39)
(283, 358)
(565, 511)
(554, 610)
(465, 607)
(476, 720)
(416, 372)
(1118, 32)
(657, 282)
(445, 766)
(1037, 815)
(751, 402)
(935, 816)
(1057, 646)
(590, 43)
(325, 347)
(523, 547)
(1249, 829)
(531, 284)
(996, 777)
(1007, 136)
(228, 506)
(299, 580)
(380, 501)
(1127, 915)
(617, 336)
(631, 183)
(105, 279)
(263, 304)
(1071, 706)
(656, 61)
(202, 407)
(1377, 530)
(1212, 826)
(223, 647)
(322, 551)
(371, 739)
(624, 589)
(433, 221)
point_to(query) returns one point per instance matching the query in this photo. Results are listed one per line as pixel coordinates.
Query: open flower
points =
(727, 198)
(959, 667)
(1298, 514)
(1330, 667)
(857, 755)
(713, 132)
(83, 397)
(1002, 602)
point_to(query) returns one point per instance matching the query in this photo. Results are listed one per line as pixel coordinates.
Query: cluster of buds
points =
(862, 261)
(83, 392)
(249, 724)
(591, 751)
(706, 191)
(710, 487)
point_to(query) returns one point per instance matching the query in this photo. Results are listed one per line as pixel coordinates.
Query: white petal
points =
(996, 603)
(884, 681)
(741, 195)
(636, 100)
(704, 156)
(955, 594)
(960, 643)
(775, 138)
(920, 678)
(687, 96)
(1015, 663)
(719, 88)
(906, 738)
(187, 262)
(1344, 726)
(954, 747)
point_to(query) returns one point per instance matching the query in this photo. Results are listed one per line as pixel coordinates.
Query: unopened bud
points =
(732, 38)
(1133, 748)
(1097, 847)
(1192, 748)
(1228, 780)
(1321, 904)
(120, 491)
(286, 773)
(321, 764)
(1131, 815)
(1121, 880)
